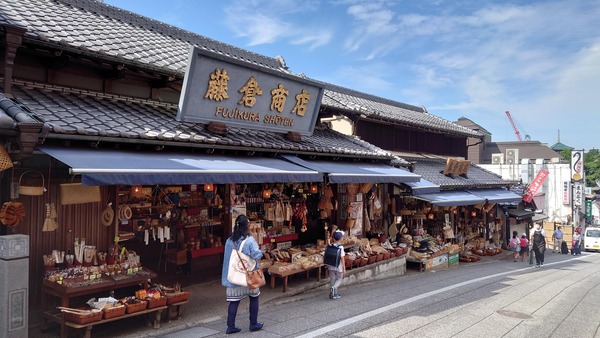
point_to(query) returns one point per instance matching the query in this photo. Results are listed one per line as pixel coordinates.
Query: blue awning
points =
(356, 172)
(423, 187)
(496, 195)
(111, 167)
(451, 198)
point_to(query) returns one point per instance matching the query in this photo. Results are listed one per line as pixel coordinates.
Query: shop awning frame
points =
(450, 198)
(113, 167)
(497, 195)
(356, 172)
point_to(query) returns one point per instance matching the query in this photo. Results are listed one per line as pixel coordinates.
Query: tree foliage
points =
(591, 167)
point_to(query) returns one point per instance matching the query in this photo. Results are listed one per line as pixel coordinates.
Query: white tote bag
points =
(236, 273)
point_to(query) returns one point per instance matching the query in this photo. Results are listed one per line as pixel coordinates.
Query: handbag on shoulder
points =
(239, 264)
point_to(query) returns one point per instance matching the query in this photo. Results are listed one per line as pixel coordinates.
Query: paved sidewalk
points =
(207, 305)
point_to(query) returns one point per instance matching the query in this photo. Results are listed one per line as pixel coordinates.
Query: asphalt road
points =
(500, 298)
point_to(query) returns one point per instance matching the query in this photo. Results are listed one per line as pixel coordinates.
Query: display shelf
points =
(207, 252)
(281, 238)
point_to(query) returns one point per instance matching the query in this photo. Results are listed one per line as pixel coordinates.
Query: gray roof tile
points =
(477, 177)
(101, 30)
(99, 115)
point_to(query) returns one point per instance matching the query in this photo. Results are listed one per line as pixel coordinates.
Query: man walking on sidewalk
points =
(557, 237)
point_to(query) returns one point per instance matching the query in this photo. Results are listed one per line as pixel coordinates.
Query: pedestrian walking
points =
(538, 243)
(235, 293)
(524, 243)
(576, 244)
(336, 273)
(515, 245)
(557, 238)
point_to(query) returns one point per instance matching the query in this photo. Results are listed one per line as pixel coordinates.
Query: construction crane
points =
(514, 125)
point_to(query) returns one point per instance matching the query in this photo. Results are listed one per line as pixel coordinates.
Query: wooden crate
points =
(177, 256)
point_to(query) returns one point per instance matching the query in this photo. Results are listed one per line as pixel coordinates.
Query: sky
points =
(539, 60)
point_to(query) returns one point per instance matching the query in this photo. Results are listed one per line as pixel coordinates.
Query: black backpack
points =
(332, 255)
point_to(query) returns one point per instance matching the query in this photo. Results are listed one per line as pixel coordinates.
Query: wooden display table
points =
(286, 274)
(104, 284)
(153, 315)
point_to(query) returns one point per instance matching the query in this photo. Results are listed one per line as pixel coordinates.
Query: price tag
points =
(92, 277)
(135, 270)
(129, 271)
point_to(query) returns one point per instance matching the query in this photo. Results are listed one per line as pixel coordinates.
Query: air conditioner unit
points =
(512, 156)
(497, 158)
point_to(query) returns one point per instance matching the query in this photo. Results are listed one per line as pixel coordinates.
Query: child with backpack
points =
(335, 261)
(515, 245)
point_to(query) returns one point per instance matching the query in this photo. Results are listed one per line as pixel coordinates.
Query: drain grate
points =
(514, 314)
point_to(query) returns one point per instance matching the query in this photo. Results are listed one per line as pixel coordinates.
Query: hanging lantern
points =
(455, 211)
(431, 215)
(473, 213)
(266, 193)
(136, 190)
(314, 188)
(208, 187)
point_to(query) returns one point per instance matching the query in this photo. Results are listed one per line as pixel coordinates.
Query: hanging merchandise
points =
(49, 222)
(12, 213)
(31, 190)
(107, 216)
(5, 160)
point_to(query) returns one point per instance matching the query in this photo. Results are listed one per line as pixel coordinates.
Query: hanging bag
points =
(239, 263)
(31, 190)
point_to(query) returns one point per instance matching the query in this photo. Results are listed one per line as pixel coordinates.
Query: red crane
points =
(512, 123)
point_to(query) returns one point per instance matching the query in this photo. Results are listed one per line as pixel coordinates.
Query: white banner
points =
(577, 165)
(566, 193)
(578, 194)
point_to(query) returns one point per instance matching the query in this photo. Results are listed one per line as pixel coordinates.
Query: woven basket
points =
(82, 318)
(5, 160)
(31, 190)
(76, 193)
(115, 311)
(136, 307)
(153, 302)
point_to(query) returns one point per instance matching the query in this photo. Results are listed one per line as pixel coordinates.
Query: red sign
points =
(535, 185)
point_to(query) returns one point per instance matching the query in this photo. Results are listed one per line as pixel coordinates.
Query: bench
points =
(285, 275)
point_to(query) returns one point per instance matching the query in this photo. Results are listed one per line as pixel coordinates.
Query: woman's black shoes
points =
(256, 327)
(231, 330)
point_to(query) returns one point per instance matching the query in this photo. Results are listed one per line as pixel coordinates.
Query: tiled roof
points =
(373, 107)
(100, 30)
(527, 149)
(75, 113)
(95, 28)
(477, 177)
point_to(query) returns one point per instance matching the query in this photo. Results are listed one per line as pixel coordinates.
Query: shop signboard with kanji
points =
(244, 95)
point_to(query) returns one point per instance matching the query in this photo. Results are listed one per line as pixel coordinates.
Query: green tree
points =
(591, 166)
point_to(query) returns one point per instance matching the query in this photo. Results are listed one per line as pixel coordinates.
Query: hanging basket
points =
(12, 213)
(5, 160)
(29, 190)
(76, 193)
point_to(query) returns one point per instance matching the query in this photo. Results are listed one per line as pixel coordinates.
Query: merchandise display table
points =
(286, 274)
(104, 284)
(154, 316)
